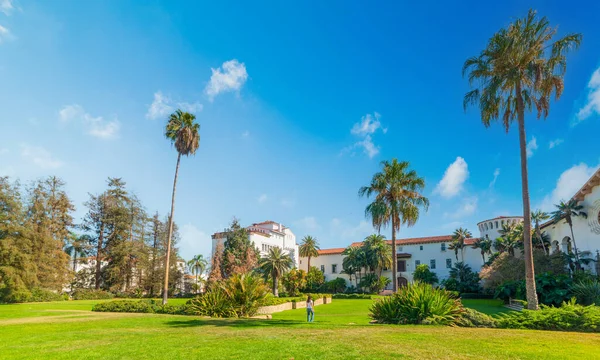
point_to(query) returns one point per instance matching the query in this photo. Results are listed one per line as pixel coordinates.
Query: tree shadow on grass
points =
(241, 323)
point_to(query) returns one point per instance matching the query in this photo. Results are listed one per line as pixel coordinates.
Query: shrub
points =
(374, 284)
(351, 296)
(568, 317)
(314, 279)
(476, 296)
(462, 279)
(213, 303)
(474, 318)
(43, 295)
(587, 292)
(91, 294)
(245, 292)
(130, 306)
(272, 300)
(293, 281)
(334, 286)
(551, 289)
(418, 303)
(424, 275)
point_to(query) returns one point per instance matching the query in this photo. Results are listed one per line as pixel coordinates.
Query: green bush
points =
(424, 275)
(43, 295)
(462, 279)
(568, 317)
(552, 289)
(418, 303)
(374, 284)
(314, 279)
(587, 292)
(352, 296)
(272, 300)
(213, 303)
(475, 296)
(337, 285)
(91, 294)
(474, 318)
(129, 306)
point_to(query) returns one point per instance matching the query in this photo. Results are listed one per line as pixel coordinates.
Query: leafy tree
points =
(314, 279)
(424, 275)
(240, 256)
(372, 283)
(197, 265)
(520, 67)
(484, 245)
(397, 200)
(183, 132)
(568, 210)
(354, 261)
(537, 217)
(309, 248)
(462, 279)
(216, 272)
(377, 252)
(294, 280)
(275, 264)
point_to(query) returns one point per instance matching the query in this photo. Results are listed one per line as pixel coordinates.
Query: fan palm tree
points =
(353, 261)
(183, 132)
(379, 254)
(458, 242)
(197, 265)
(309, 248)
(398, 200)
(484, 245)
(537, 217)
(275, 264)
(568, 210)
(520, 67)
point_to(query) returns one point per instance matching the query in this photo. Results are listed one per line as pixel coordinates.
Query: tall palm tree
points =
(275, 264)
(520, 67)
(353, 260)
(537, 217)
(379, 254)
(568, 210)
(398, 200)
(77, 247)
(458, 242)
(183, 132)
(197, 265)
(309, 248)
(483, 244)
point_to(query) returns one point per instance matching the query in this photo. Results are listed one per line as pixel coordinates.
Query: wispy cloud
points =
(554, 143)
(7, 7)
(95, 126)
(162, 106)
(40, 157)
(531, 146)
(592, 105)
(5, 34)
(230, 77)
(496, 174)
(262, 198)
(467, 207)
(365, 129)
(568, 183)
(454, 178)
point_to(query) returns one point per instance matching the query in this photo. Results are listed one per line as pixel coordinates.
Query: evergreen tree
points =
(239, 254)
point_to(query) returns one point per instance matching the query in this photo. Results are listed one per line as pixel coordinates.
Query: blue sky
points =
(298, 104)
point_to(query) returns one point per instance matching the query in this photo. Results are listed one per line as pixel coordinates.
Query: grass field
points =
(68, 330)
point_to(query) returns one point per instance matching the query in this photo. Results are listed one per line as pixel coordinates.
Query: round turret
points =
(490, 228)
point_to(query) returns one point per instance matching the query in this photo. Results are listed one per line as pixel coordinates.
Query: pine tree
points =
(239, 254)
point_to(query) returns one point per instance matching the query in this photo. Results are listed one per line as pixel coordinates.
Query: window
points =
(398, 248)
(421, 247)
(322, 268)
(443, 246)
(448, 263)
(432, 264)
(401, 265)
(496, 224)
(417, 263)
(333, 268)
(300, 262)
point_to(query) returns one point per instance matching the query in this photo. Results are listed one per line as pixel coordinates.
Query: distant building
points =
(266, 235)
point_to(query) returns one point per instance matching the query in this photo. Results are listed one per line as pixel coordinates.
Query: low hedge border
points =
(352, 296)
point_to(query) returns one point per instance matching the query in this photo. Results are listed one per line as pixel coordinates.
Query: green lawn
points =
(68, 330)
(487, 306)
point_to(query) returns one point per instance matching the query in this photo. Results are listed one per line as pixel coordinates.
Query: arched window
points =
(485, 225)
(496, 224)
(491, 225)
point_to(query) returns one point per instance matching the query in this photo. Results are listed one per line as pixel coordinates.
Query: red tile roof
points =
(413, 241)
(334, 251)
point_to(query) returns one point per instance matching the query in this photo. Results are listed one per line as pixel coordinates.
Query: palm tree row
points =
(373, 256)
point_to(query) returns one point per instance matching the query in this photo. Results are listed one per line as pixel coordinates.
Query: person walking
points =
(310, 312)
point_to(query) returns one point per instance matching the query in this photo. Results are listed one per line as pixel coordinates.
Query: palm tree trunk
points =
(167, 262)
(483, 256)
(532, 300)
(394, 258)
(539, 235)
(308, 269)
(574, 245)
(275, 287)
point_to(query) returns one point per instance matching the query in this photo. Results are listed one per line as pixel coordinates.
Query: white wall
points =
(491, 227)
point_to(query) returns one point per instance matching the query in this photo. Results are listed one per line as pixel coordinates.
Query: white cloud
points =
(40, 157)
(365, 128)
(350, 232)
(262, 198)
(231, 76)
(307, 224)
(455, 176)
(194, 242)
(246, 134)
(5, 34)
(569, 182)
(531, 146)
(496, 174)
(593, 99)
(163, 106)
(554, 143)
(368, 125)
(467, 207)
(95, 126)
(7, 7)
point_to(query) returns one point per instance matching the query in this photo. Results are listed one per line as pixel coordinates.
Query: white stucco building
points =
(266, 235)
(434, 251)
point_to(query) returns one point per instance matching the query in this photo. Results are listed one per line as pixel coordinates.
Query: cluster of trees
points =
(41, 247)
(366, 262)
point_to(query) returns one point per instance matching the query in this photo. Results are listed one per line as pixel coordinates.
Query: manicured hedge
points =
(352, 296)
(142, 306)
